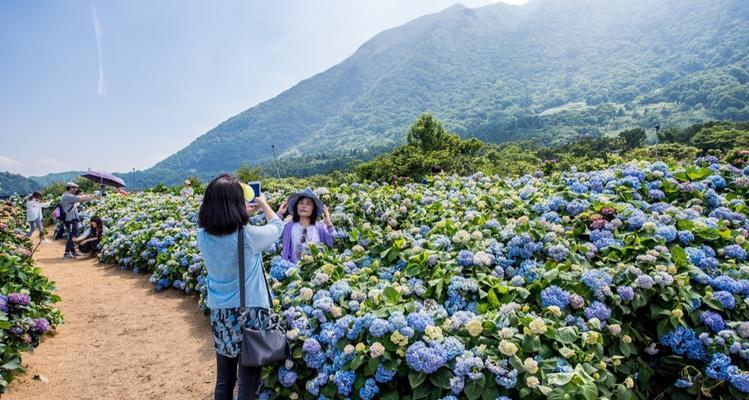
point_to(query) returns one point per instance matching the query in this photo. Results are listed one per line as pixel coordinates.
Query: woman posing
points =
(223, 215)
(305, 209)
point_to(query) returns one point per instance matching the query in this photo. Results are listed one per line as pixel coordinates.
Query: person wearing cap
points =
(305, 209)
(68, 203)
(187, 191)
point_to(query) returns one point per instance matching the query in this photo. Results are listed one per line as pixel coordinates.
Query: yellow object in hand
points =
(249, 194)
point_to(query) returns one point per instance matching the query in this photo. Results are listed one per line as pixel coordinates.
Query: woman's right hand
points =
(260, 200)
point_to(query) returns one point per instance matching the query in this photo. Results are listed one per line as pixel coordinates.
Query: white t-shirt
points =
(34, 210)
(296, 238)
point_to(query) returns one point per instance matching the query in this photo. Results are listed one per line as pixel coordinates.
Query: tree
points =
(245, 173)
(632, 138)
(721, 138)
(426, 133)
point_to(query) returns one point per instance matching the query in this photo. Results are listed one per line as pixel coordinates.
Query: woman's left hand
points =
(326, 216)
(251, 208)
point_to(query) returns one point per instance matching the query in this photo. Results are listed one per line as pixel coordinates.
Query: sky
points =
(122, 84)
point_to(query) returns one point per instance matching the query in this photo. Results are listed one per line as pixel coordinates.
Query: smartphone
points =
(255, 186)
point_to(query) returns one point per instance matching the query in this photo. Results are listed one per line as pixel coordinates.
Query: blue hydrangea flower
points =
(738, 379)
(369, 390)
(344, 380)
(683, 341)
(666, 232)
(597, 310)
(378, 328)
(735, 251)
(726, 283)
(419, 321)
(626, 293)
(713, 321)
(456, 384)
(465, 258)
(555, 296)
(718, 367)
(426, 359)
(596, 280)
(725, 298)
(453, 347)
(557, 252)
(286, 377)
(384, 375)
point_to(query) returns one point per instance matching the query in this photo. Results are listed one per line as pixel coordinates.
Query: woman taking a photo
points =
(305, 209)
(89, 241)
(222, 214)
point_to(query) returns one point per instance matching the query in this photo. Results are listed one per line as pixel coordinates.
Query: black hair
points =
(312, 218)
(223, 209)
(67, 188)
(436, 169)
(36, 195)
(99, 226)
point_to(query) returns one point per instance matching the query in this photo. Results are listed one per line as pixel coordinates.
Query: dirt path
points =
(120, 339)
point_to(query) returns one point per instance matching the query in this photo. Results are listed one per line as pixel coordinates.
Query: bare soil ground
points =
(120, 339)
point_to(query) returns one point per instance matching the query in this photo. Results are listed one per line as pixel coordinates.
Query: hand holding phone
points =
(251, 191)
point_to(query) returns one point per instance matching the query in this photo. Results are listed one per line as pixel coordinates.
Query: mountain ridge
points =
(551, 70)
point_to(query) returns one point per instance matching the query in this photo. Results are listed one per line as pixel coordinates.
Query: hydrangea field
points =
(624, 283)
(26, 296)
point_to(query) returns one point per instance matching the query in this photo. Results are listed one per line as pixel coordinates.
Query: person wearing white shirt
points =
(34, 206)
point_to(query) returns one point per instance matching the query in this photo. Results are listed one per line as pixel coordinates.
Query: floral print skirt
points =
(227, 331)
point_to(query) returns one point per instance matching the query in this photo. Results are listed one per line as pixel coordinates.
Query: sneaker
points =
(46, 241)
(76, 254)
(68, 255)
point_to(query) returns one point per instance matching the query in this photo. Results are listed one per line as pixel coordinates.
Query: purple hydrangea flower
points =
(626, 293)
(21, 299)
(40, 325)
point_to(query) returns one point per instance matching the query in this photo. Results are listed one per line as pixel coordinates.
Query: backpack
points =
(60, 212)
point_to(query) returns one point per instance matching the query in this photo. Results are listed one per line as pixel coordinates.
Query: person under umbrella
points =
(304, 229)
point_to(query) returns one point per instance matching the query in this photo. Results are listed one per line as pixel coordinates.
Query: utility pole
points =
(657, 140)
(275, 161)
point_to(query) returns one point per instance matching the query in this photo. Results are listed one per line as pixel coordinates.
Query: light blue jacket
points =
(221, 259)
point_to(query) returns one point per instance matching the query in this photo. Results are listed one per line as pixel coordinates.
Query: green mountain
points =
(56, 177)
(14, 183)
(551, 69)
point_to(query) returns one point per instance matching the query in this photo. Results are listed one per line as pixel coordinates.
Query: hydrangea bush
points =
(26, 296)
(621, 283)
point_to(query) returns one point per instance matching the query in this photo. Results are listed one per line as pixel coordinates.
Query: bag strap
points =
(240, 241)
(240, 252)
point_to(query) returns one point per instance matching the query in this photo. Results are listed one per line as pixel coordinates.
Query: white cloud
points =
(8, 162)
(100, 89)
(50, 163)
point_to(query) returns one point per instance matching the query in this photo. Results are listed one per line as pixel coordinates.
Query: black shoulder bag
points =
(263, 340)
